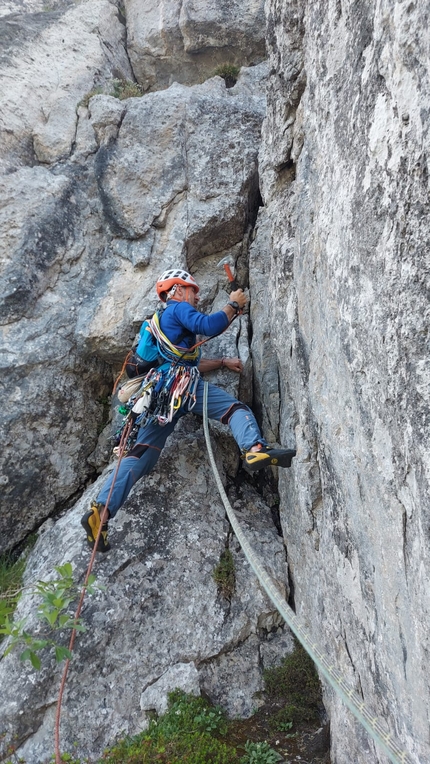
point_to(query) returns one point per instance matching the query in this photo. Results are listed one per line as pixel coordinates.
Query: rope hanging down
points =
(331, 674)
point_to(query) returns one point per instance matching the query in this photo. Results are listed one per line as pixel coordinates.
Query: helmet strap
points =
(170, 295)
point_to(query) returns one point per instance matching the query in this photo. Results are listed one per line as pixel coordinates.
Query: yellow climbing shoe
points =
(91, 522)
(268, 456)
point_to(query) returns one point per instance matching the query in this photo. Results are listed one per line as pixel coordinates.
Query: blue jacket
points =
(180, 322)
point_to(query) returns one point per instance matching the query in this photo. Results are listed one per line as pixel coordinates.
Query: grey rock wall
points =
(186, 42)
(160, 623)
(51, 57)
(170, 178)
(344, 178)
(98, 196)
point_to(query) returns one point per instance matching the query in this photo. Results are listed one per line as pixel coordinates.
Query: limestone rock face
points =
(185, 42)
(170, 178)
(50, 61)
(161, 623)
(97, 197)
(344, 179)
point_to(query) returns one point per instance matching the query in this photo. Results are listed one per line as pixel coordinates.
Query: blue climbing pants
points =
(152, 437)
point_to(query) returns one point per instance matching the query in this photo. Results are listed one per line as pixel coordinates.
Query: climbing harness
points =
(331, 674)
(171, 389)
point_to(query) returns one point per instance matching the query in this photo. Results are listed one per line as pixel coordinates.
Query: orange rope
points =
(129, 354)
(122, 445)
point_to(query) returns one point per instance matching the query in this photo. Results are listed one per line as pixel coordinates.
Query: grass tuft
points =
(123, 89)
(224, 575)
(296, 682)
(11, 573)
(229, 73)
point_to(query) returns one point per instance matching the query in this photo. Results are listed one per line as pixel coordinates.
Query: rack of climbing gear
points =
(176, 390)
(160, 395)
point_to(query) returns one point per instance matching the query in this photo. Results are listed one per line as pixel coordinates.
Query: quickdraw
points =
(177, 391)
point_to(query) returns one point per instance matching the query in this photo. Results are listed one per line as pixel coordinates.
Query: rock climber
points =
(180, 322)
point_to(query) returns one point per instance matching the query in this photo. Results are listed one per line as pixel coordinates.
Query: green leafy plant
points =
(224, 574)
(188, 731)
(55, 597)
(260, 753)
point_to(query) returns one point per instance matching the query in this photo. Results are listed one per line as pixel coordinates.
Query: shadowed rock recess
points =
(327, 127)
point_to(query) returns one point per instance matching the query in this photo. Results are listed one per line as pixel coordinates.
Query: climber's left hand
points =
(234, 364)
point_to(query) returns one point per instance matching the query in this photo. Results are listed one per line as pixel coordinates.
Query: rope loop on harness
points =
(172, 353)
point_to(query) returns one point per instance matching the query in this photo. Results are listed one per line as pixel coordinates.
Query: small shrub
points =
(224, 574)
(229, 73)
(123, 89)
(55, 597)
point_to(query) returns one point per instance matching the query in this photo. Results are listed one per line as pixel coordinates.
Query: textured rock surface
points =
(185, 42)
(339, 283)
(50, 60)
(160, 623)
(167, 178)
(345, 181)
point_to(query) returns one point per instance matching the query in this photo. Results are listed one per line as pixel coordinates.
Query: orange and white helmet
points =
(169, 279)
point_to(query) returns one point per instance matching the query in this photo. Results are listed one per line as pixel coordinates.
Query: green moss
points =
(224, 575)
(87, 98)
(296, 683)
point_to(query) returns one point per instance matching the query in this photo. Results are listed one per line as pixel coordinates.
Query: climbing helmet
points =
(170, 279)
